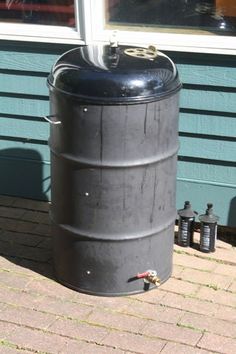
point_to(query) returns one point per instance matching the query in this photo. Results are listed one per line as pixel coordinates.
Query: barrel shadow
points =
(25, 227)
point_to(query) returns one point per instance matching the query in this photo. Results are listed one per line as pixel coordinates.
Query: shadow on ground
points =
(28, 250)
(24, 223)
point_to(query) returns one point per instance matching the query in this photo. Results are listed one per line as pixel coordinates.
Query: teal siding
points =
(24, 154)
(207, 129)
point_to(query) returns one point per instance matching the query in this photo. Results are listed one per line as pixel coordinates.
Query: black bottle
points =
(208, 231)
(186, 225)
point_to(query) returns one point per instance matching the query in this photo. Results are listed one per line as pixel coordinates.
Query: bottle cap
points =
(209, 217)
(187, 211)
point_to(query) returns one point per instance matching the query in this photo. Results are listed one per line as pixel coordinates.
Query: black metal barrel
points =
(113, 145)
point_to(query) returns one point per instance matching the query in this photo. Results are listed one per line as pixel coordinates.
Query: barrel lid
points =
(103, 73)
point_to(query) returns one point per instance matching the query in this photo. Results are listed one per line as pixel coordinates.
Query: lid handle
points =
(113, 40)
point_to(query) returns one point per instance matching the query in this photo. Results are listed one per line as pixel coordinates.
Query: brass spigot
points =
(153, 278)
(150, 276)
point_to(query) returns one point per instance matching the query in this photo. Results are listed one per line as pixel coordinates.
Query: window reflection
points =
(46, 12)
(210, 15)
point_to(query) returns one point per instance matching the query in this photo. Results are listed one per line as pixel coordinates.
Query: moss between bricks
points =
(7, 344)
(208, 258)
(213, 286)
(189, 327)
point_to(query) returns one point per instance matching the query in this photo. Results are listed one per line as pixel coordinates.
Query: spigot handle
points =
(142, 275)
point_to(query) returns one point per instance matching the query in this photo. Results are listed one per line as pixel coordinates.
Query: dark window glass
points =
(39, 12)
(212, 16)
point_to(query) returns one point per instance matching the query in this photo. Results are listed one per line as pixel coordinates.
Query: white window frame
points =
(91, 27)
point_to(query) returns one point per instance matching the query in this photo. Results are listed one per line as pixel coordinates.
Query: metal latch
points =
(145, 53)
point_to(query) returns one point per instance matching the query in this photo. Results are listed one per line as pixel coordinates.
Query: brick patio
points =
(193, 312)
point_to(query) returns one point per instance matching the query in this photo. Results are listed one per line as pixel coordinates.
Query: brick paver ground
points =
(194, 312)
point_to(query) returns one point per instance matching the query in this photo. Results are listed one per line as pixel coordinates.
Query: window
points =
(60, 13)
(206, 26)
(182, 25)
(183, 16)
(41, 20)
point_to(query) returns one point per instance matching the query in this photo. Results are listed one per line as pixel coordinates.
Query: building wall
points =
(207, 129)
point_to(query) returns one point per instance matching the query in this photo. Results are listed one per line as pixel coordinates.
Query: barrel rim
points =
(117, 100)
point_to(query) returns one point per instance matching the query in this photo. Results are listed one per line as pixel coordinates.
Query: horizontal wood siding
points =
(24, 154)
(207, 128)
